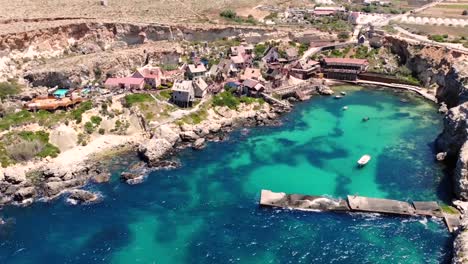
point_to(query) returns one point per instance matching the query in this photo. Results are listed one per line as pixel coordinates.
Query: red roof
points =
(150, 72)
(345, 61)
(124, 80)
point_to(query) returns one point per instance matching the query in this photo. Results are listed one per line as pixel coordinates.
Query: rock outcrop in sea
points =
(220, 121)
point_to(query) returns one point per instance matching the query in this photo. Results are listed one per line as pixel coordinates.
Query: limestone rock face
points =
(101, 178)
(454, 134)
(324, 90)
(82, 196)
(54, 188)
(14, 176)
(199, 143)
(189, 136)
(460, 245)
(153, 150)
(461, 174)
(25, 193)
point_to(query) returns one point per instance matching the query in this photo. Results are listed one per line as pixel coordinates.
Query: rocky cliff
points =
(22, 51)
(446, 72)
(443, 70)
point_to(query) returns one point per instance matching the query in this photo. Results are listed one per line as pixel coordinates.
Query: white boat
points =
(345, 108)
(343, 93)
(338, 96)
(364, 160)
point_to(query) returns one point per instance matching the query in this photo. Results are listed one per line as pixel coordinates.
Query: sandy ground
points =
(16, 16)
(77, 156)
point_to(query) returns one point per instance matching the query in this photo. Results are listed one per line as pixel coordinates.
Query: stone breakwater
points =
(23, 187)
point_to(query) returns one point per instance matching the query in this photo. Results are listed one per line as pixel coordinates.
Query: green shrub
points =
(89, 127)
(437, 38)
(343, 35)
(167, 94)
(448, 209)
(102, 131)
(77, 113)
(232, 15)
(8, 89)
(16, 119)
(259, 50)
(49, 150)
(25, 145)
(226, 98)
(82, 139)
(229, 14)
(96, 120)
(131, 99)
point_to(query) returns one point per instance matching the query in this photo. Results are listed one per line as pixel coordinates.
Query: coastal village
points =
(109, 88)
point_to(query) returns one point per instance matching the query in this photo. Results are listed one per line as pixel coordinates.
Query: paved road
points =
(414, 37)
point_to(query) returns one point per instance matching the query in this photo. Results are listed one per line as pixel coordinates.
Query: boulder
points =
(461, 206)
(441, 156)
(54, 188)
(14, 176)
(25, 193)
(82, 196)
(199, 143)
(11, 189)
(168, 133)
(324, 90)
(189, 136)
(54, 179)
(214, 127)
(154, 150)
(26, 202)
(101, 178)
(129, 176)
(443, 109)
(136, 180)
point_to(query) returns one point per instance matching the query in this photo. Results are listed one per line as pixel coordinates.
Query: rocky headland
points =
(22, 184)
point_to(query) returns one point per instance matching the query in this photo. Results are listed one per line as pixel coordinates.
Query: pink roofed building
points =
(152, 75)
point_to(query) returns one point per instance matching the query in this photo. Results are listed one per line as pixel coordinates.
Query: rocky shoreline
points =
(22, 187)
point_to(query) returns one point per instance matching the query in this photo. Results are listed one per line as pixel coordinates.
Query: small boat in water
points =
(365, 119)
(345, 108)
(343, 93)
(338, 96)
(364, 160)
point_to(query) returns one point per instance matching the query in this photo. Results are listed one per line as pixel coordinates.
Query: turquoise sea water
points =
(207, 210)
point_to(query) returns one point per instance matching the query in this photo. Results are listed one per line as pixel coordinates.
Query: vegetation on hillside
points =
(8, 89)
(232, 16)
(132, 99)
(24, 146)
(227, 98)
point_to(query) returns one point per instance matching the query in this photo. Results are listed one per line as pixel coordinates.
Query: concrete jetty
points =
(303, 202)
(376, 205)
(354, 203)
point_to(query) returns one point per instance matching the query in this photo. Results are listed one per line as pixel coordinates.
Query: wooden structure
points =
(355, 203)
(343, 68)
(52, 103)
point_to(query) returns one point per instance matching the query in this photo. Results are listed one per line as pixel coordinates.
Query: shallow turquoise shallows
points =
(207, 210)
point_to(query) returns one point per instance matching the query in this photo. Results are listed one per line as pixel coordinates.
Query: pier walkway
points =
(354, 203)
(413, 88)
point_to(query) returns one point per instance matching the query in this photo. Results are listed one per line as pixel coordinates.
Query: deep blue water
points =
(207, 210)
